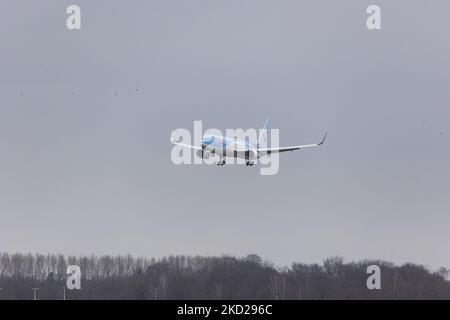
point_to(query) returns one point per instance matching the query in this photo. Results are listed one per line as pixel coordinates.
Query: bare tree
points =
(184, 277)
(218, 291)
(277, 287)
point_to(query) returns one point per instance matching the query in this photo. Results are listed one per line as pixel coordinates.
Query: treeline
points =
(224, 277)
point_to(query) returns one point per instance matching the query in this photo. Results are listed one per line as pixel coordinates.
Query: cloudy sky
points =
(86, 117)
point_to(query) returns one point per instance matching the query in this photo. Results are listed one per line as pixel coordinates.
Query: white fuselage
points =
(229, 147)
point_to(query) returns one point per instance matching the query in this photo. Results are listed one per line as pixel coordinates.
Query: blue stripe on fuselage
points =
(224, 142)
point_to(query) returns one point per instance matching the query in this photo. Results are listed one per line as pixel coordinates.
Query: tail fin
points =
(263, 134)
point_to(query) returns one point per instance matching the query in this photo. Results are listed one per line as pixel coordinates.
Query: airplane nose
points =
(207, 140)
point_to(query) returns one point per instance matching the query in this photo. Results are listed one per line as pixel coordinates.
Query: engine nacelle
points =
(252, 154)
(203, 154)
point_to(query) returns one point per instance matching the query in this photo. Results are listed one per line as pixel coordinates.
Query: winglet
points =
(323, 140)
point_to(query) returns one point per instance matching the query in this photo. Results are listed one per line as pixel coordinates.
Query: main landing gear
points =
(247, 163)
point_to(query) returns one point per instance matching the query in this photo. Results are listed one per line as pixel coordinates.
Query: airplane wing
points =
(291, 148)
(186, 145)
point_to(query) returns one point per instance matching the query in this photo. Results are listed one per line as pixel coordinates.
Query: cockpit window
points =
(207, 140)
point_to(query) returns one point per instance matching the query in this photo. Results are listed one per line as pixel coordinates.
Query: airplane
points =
(226, 147)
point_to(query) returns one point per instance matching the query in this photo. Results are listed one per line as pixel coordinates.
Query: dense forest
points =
(224, 277)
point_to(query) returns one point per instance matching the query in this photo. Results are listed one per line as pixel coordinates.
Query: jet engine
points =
(203, 154)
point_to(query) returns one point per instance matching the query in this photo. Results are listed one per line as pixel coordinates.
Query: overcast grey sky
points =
(90, 171)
